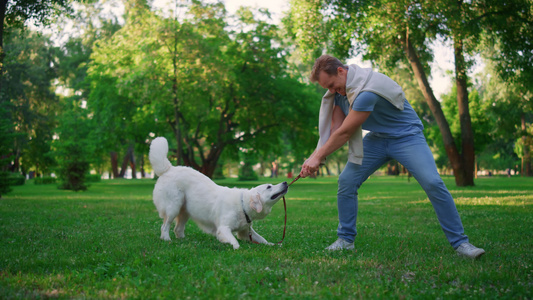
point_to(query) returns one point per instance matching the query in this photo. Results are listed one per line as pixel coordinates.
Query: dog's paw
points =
(165, 238)
(236, 246)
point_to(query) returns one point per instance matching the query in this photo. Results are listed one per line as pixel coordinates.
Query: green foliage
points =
(7, 132)
(4, 183)
(350, 28)
(18, 12)
(72, 172)
(8, 180)
(28, 95)
(16, 179)
(507, 40)
(105, 243)
(219, 172)
(6, 144)
(74, 150)
(73, 62)
(506, 104)
(246, 171)
(215, 87)
(93, 178)
(44, 180)
(499, 155)
(524, 145)
(482, 125)
(305, 27)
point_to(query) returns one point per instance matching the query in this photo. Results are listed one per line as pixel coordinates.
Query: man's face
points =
(334, 83)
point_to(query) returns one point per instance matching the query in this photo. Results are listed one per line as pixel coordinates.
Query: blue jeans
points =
(414, 154)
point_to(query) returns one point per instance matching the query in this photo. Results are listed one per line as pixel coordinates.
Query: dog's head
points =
(263, 197)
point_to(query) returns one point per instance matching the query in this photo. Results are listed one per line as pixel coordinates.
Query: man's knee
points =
(432, 184)
(348, 183)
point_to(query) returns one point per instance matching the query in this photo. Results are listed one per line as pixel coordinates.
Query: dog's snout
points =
(285, 183)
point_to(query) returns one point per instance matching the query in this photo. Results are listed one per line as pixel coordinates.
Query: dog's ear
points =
(255, 203)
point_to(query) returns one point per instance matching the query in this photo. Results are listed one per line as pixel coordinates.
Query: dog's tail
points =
(158, 156)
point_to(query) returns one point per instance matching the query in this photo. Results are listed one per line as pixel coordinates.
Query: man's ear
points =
(255, 203)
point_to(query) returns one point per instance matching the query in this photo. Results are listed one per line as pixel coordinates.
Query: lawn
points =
(104, 243)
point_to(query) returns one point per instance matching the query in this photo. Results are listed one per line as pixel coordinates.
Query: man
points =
(357, 99)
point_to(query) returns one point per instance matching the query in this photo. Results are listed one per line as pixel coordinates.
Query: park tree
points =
(389, 32)
(29, 102)
(211, 85)
(77, 146)
(74, 147)
(14, 14)
(482, 124)
(6, 144)
(508, 50)
(508, 104)
(73, 62)
(24, 81)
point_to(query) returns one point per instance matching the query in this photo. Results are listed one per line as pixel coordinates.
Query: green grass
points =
(104, 243)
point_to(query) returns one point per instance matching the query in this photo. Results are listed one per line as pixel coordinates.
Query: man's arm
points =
(336, 119)
(338, 138)
(336, 122)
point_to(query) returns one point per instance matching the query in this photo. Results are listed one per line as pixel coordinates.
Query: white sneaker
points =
(340, 244)
(468, 250)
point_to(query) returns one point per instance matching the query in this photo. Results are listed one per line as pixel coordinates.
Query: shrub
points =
(16, 179)
(4, 183)
(93, 178)
(8, 179)
(75, 147)
(73, 175)
(219, 174)
(246, 173)
(44, 180)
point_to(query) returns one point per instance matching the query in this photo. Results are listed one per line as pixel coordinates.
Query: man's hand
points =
(337, 138)
(310, 166)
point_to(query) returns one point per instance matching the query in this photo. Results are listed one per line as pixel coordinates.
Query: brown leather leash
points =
(285, 226)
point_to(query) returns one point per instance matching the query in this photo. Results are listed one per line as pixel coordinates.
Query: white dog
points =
(182, 193)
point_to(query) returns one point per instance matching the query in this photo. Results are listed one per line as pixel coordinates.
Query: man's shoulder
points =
(368, 95)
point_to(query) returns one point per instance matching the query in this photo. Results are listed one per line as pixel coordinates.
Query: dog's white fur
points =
(182, 193)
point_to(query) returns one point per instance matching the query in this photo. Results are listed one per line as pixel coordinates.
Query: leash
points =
(285, 226)
(297, 177)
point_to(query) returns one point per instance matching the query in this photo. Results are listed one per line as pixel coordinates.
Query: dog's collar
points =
(244, 211)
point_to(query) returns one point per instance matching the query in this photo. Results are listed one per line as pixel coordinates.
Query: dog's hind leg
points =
(171, 210)
(165, 228)
(224, 235)
(181, 220)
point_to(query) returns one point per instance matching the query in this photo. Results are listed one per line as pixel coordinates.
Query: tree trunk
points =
(434, 105)
(133, 164)
(392, 168)
(209, 165)
(16, 161)
(175, 99)
(526, 157)
(208, 169)
(128, 158)
(114, 164)
(467, 135)
(3, 7)
(143, 172)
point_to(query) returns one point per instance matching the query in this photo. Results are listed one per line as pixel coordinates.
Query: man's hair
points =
(326, 63)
